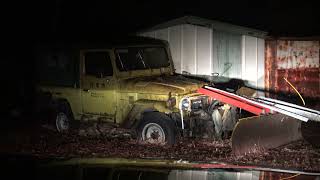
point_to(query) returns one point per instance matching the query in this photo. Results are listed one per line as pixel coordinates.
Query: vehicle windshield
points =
(139, 58)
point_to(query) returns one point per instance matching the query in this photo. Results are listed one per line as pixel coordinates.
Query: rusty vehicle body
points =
(128, 84)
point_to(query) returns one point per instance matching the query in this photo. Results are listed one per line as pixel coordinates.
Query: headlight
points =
(193, 103)
(185, 104)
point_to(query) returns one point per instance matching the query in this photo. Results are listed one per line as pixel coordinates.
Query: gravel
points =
(44, 143)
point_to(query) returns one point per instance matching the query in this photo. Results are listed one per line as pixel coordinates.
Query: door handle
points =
(86, 90)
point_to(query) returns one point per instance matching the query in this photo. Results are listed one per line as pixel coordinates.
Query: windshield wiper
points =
(141, 59)
(121, 63)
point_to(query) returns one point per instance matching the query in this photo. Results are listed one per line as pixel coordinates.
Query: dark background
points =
(25, 23)
(43, 20)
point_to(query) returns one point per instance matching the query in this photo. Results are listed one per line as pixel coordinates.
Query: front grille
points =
(199, 103)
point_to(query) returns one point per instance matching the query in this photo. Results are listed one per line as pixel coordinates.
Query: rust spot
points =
(296, 60)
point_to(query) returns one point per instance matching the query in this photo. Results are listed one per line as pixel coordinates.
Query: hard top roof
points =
(103, 43)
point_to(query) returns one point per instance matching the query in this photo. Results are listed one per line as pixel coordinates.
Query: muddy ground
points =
(114, 142)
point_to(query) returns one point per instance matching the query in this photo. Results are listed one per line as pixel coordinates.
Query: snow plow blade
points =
(259, 133)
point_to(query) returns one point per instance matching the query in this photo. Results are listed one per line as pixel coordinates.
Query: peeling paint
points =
(298, 61)
(297, 54)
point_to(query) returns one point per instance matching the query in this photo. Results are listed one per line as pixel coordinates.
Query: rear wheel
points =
(157, 128)
(62, 122)
(63, 118)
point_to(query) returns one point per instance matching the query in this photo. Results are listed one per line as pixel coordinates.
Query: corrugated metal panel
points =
(253, 61)
(227, 54)
(250, 60)
(204, 51)
(175, 41)
(260, 63)
(298, 61)
(216, 175)
(245, 175)
(297, 54)
(188, 175)
(189, 49)
(200, 50)
(234, 55)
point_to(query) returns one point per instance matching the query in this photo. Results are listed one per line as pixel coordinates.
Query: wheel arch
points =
(138, 110)
(63, 103)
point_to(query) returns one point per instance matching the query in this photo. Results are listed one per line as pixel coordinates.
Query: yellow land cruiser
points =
(129, 83)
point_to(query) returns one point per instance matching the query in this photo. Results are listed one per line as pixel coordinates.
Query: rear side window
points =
(98, 64)
(58, 68)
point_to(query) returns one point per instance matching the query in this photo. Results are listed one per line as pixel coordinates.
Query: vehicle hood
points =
(175, 84)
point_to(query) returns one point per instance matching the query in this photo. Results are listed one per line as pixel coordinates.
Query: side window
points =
(98, 64)
(58, 61)
(56, 68)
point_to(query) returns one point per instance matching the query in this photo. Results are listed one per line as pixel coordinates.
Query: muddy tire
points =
(157, 128)
(63, 118)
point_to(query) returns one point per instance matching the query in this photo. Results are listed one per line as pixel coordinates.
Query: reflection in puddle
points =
(121, 173)
(142, 169)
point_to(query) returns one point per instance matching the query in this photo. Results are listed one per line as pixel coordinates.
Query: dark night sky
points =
(45, 19)
(26, 22)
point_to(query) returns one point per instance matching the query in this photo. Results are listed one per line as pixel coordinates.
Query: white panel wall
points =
(189, 45)
(188, 175)
(175, 42)
(192, 51)
(212, 175)
(227, 54)
(253, 61)
(261, 63)
(250, 60)
(204, 51)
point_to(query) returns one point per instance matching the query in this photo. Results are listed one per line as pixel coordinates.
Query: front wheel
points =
(157, 128)
(62, 122)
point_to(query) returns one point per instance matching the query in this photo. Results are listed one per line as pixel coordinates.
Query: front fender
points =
(135, 114)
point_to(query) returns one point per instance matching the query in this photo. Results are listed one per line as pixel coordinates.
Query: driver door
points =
(98, 85)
